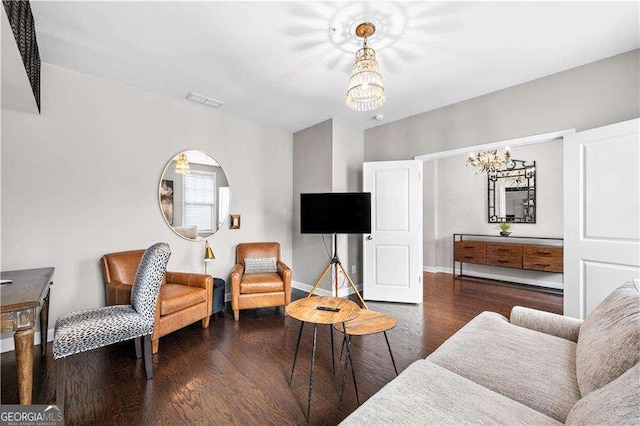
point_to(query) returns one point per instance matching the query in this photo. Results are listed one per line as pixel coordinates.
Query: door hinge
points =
(420, 278)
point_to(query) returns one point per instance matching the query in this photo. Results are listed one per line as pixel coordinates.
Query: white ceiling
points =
(281, 64)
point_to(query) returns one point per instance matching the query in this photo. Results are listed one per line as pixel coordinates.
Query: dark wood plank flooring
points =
(237, 372)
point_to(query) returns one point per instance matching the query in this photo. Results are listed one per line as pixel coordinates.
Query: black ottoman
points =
(218, 295)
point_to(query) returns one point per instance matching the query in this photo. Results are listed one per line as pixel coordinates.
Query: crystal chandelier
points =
(365, 85)
(489, 161)
(182, 165)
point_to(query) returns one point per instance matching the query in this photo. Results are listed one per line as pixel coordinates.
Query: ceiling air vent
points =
(204, 100)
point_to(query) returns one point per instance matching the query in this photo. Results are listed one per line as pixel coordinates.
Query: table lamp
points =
(208, 255)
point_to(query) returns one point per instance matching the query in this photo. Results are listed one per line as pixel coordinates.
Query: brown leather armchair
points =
(184, 298)
(259, 290)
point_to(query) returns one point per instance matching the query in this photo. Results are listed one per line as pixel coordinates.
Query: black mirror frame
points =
(516, 168)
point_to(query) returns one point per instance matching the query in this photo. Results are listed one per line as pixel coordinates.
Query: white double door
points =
(392, 261)
(601, 214)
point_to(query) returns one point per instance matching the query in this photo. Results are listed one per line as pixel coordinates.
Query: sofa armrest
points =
(236, 273)
(285, 273)
(118, 293)
(545, 322)
(236, 277)
(190, 279)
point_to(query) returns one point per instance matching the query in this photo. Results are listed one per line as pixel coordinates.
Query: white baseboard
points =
(7, 344)
(436, 269)
(342, 292)
(517, 280)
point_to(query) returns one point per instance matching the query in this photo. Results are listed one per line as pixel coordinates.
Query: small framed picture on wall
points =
(235, 221)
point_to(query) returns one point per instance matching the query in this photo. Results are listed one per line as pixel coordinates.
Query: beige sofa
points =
(536, 368)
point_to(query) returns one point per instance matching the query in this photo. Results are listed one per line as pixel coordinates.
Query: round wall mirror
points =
(194, 195)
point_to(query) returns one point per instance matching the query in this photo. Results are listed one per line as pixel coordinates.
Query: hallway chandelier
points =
(182, 165)
(489, 161)
(365, 85)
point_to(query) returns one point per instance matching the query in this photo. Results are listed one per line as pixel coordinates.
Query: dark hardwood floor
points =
(238, 372)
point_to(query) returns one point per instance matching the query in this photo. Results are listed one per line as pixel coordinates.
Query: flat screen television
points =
(336, 212)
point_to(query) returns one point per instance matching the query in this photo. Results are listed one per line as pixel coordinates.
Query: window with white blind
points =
(199, 206)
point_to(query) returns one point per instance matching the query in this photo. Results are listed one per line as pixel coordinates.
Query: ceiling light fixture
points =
(489, 161)
(182, 165)
(365, 85)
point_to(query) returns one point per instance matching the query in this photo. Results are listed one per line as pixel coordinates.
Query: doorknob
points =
(369, 238)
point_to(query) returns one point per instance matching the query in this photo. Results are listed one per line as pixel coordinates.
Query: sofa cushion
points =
(81, 331)
(261, 283)
(175, 297)
(425, 393)
(527, 366)
(609, 340)
(617, 403)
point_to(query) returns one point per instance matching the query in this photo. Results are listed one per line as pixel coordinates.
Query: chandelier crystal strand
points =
(182, 165)
(488, 161)
(366, 91)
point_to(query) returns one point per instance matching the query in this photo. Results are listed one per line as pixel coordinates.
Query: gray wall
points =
(348, 155)
(95, 157)
(312, 172)
(327, 158)
(461, 207)
(593, 95)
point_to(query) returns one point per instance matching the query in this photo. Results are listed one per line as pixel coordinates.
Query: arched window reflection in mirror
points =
(194, 195)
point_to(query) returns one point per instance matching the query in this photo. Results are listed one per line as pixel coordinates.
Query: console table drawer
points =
(508, 255)
(543, 258)
(470, 251)
(542, 251)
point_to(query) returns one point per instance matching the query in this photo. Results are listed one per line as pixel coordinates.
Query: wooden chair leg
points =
(154, 345)
(148, 357)
(236, 315)
(138, 345)
(61, 375)
(44, 325)
(205, 322)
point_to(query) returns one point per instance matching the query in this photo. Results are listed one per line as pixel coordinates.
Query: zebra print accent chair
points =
(89, 329)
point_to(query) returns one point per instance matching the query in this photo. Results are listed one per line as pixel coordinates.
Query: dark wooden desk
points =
(19, 303)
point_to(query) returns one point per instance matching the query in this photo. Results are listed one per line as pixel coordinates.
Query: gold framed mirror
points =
(194, 195)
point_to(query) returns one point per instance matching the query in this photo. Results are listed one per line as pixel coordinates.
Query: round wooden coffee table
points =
(368, 322)
(306, 310)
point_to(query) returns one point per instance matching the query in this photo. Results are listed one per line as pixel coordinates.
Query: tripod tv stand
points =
(337, 265)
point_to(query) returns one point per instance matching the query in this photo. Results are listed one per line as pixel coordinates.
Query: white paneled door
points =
(393, 251)
(601, 214)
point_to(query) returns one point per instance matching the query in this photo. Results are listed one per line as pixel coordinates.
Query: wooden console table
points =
(20, 300)
(509, 252)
